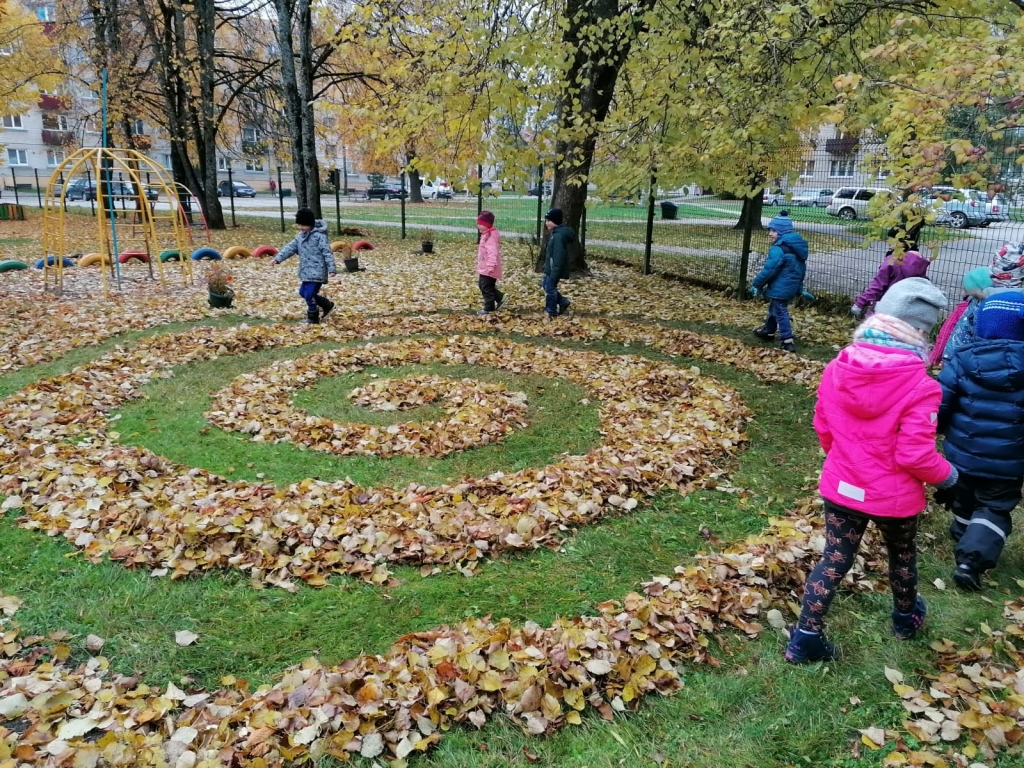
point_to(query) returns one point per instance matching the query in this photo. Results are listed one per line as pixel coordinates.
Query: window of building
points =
(139, 128)
(250, 135)
(807, 169)
(842, 168)
(17, 157)
(44, 13)
(12, 121)
(92, 125)
(55, 122)
(254, 164)
(222, 163)
(54, 157)
(165, 161)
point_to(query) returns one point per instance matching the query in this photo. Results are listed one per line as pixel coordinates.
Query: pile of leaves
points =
(975, 692)
(663, 427)
(61, 713)
(259, 404)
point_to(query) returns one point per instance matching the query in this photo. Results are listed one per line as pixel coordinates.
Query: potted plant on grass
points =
(427, 240)
(218, 282)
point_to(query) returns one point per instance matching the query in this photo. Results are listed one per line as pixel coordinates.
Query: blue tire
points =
(205, 253)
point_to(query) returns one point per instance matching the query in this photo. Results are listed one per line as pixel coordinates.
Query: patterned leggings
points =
(844, 529)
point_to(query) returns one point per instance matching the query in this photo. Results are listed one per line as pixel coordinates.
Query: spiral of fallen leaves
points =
(260, 404)
(663, 427)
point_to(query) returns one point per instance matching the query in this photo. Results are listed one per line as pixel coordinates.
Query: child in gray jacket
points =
(316, 263)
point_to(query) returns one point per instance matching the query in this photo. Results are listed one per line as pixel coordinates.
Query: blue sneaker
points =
(807, 647)
(906, 625)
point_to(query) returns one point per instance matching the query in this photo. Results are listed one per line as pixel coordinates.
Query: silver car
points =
(808, 197)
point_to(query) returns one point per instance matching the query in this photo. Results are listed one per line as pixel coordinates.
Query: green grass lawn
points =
(754, 710)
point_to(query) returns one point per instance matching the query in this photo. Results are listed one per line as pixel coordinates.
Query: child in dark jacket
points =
(875, 418)
(316, 263)
(894, 268)
(781, 279)
(982, 416)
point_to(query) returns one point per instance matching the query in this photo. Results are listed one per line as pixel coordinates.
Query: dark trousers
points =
(778, 318)
(844, 529)
(489, 289)
(314, 301)
(982, 521)
(554, 302)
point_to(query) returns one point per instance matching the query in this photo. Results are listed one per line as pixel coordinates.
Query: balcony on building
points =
(55, 138)
(842, 145)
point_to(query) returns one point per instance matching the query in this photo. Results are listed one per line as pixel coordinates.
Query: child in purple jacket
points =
(893, 269)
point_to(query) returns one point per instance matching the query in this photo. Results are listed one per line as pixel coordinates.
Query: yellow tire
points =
(237, 252)
(338, 245)
(94, 259)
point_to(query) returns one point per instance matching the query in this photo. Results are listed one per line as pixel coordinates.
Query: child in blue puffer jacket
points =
(781, 279)
(316, 263)
(982, 416)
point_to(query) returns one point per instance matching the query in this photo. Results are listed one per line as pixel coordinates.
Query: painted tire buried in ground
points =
(94, 260)
(208, 254)
(237, 252)
(166, 256)
(12, 266)
(265, 250)
(127, 256)
(362, 245)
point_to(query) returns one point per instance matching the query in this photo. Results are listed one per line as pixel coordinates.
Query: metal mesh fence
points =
(824, 186)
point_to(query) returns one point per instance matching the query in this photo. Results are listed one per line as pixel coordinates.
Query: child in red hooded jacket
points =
(876, 418)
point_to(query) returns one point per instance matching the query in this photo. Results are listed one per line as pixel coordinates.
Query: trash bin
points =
(669, 211)
(286, 193)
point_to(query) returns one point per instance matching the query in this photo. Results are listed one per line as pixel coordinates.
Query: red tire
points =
(127, 256)
(265, 250)
(362, 245)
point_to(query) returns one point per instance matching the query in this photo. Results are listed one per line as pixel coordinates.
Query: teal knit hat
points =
(781, 223)
(978, 279)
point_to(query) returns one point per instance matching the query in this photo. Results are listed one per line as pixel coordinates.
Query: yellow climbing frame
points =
(148, 227)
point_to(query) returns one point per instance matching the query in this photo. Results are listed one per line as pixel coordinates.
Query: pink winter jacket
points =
(875, 417)
(488, 254)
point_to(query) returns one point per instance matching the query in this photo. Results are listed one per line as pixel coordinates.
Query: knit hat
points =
(781, 223)
(1007, 267)
(486, 218)
(915, 301)
(305, 217)
(554, 215)
(978, 279)
(1001, 317)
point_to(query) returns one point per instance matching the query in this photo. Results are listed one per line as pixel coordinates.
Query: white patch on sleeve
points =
(934, 417)
(851, 491)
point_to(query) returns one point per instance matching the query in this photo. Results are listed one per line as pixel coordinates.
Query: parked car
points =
(776, 197)
(812, 197)
(851, 203)
(438, 189)
(386, 193)
(996, 209)
(959, 208)
(81, 189)
(241, 189)
(76, 189)
(536, 191)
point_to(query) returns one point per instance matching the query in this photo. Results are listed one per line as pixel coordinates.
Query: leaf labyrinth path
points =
(663, 426)
(259, 404)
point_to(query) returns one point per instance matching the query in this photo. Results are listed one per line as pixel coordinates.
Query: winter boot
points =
(312, 317)
(327, 306)
(906, 625)
(967, 578)
(762, 334)
(787, 345)
(806, 647)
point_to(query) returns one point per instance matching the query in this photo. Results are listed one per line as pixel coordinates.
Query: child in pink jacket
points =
(488, 263)
(876, 419)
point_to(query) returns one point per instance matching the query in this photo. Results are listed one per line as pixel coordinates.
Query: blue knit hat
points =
(978, 279)
(1001, 317)
(781, 223)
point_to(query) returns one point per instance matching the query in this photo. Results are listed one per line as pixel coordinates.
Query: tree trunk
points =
(304, 81)
(752, 207)
(206, 138)
(585, 101)
(415, 182)
(292, 108)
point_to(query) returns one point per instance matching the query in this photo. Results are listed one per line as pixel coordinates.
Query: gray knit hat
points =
(913, 300)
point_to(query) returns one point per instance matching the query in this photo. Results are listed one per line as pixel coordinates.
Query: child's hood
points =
(995, 364)
(914, 264)
(870, 380)
(795, 243)
(319, 227)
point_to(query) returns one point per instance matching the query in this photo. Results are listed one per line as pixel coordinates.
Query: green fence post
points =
(748, 229)
(649, 240)
(583, 229)
(280, 194)
(401, 199)
(540, 198)
(479, 195)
